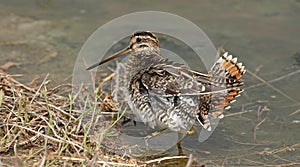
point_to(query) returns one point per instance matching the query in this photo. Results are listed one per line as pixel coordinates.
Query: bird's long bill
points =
(118, 54)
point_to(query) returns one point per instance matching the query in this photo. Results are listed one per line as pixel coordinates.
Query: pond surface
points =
(44, 36)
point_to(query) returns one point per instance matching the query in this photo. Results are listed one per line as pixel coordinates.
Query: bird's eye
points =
(138, 39)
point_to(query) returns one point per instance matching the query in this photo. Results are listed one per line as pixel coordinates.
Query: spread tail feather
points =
(231, 72)
(224, 82)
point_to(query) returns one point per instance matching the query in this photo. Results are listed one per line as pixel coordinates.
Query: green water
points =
(45, 36)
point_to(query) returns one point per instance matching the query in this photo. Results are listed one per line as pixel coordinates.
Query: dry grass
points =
(38, 127)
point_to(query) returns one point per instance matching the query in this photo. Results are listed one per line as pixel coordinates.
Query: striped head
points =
(143, 40)
(139, 42)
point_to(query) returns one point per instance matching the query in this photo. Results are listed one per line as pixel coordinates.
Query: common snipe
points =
(168, 95)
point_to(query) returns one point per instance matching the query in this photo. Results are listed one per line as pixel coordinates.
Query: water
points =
(41, 37)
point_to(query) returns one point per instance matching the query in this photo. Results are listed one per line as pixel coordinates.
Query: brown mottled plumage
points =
(168, 95)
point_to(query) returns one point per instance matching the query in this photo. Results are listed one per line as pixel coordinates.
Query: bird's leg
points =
(180, 137)
(166, 130)
(179, 148)
(156, 133)
(188, 132)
